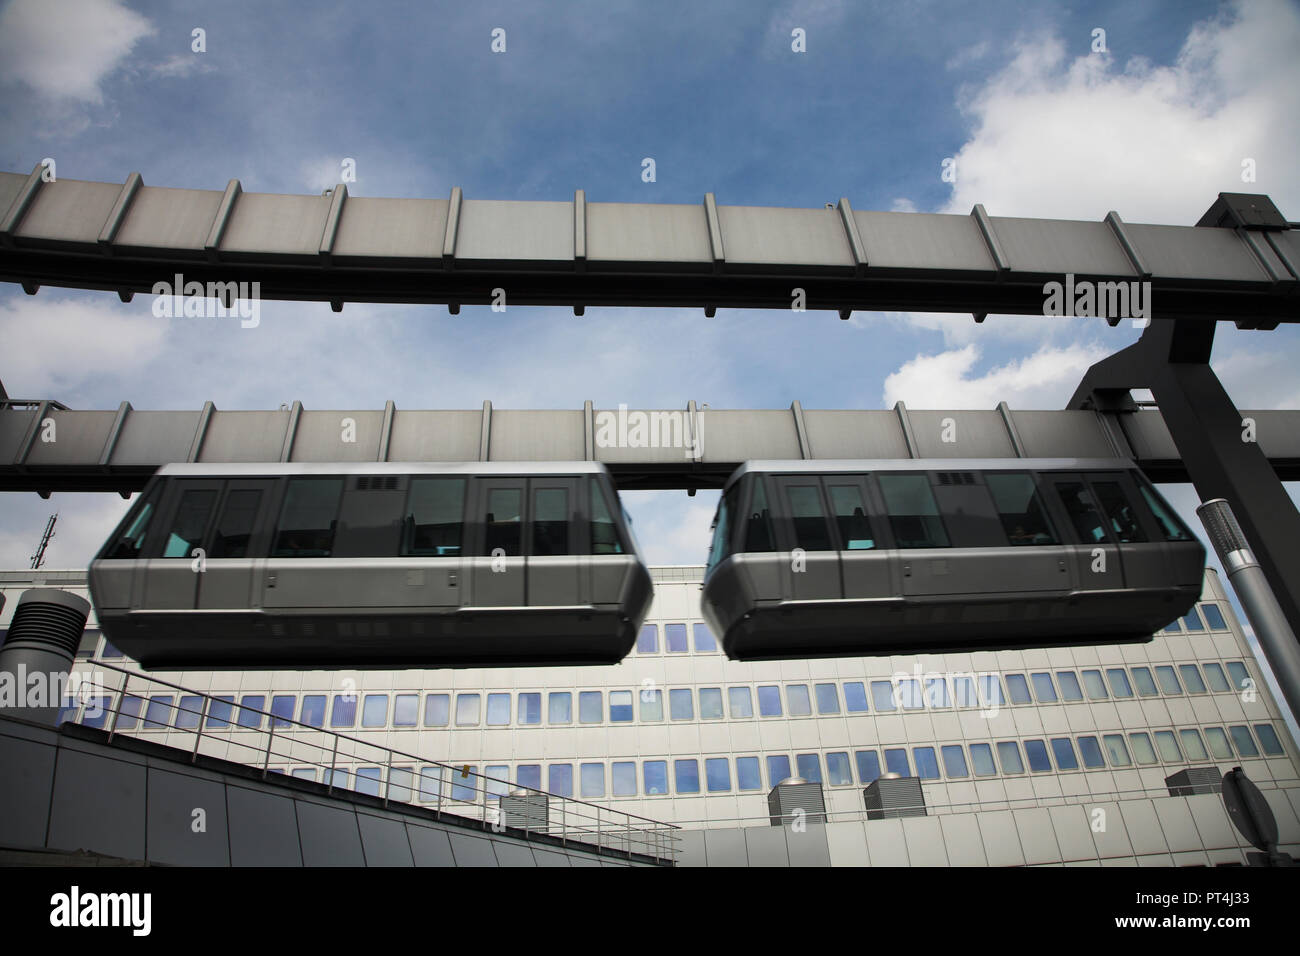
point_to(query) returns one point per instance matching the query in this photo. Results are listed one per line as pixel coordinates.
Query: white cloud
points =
(182, 64)
(64, 50)
(1045, 379)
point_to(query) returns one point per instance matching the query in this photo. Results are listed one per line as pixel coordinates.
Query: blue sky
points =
(1038, 123)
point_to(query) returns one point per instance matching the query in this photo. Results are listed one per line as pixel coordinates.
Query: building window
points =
(954, 761)
(1009, 757)
(622, 775)
(838, 773)
(1119, 685)
(368, 780)
(559, 707)
(1116, 750)
(250, 706)
(882, 695)
(936, 692)
(855, 697)
(656, 776)
(1070, 689)
(896, 762)
(809, 767)
(797, 700)
(704, 640)
(559, 777)
(1218, 680)
(927, 766)
(963, 689)
(1095, 686)
(430, 784)
(909, 694)
(739, 702)
(305, 773)
(400, 780)
(1036, 751)
(710, 703)
(1268, 739)
(828, 699)
(1245, 743)
(437, 709)
(687, 775)
(465, 784)
(187, 712)
(343, 713)
(374, 711)
(1044, 689)
(1173, 627)
(769, 701)
(1214, 617)
(868, 762)
(467, 710)
(1192, 745)
(680, 705)
(675, 638)
(1143, 752)
(1146, 684)
(529, 775)
(717, 774)
(313, 710)
(282, 710)
(1192, 621)
(1192, 678)
(498, 710)
(1218, 742)
(620, 706)
(157, 717)
(530, 708)
(1237, 670)
(778, 769)
(1063, 751)
(647, 642)
(1168, 680)
(981, 758)
(219, 710)
(652, 704)
(1018, 688)
(1091, 751)
(590, 707)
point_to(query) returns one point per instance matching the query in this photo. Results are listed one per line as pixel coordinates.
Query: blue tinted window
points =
(954, 761)
(717, 774)
(739, 702)
(778, 769)
(374, 710)
(1237, 671)
(250, 706)
(1244, 742)
(704, 640)
(710, 703)
(498, 710)
(656, 776)
(1214, 617)
(337, 779)
(652, 704)
(936, 692)
(680, 705)
(769, 701)
(1091, 750)
(1063, 750)
(809, 766)
(590, 706)
(1192, 678)
(282, 709)
(1036, 751)
(647, 642)
(530, 708)
(1069, 683)
(368, 780)
(1268, 740)
(430, 783)
(837, 768)
(1218, 680)
(466, 784)
(1119, 685)
(964, 691)
(437, 710)
(313, 710)
(748, 776)
(1168, 680)
(868, 762)
(991, 690)
(675, 638)
(620, 706)
(855, 697)
(1044, 690)
(467, 710)
(110, 651)
(828, 699)
(797, 700)
(1009, 757)
(896, 762)
(1018, 688)
(559, 708)
(559, 779)
(981, 758)
(909, 694)
(927, 767)
(622, 775)
(687, 775)
(159, 714)
(187, 712)
(1146, 684)
(1173, 627)
(219, 710)
(882, 695)
(529, 775)
(305, 773)
(1192, 621)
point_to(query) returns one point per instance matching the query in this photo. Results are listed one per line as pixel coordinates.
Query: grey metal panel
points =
(267, 225)
(172, 219)
(435, 436)
(852, 434)
(769, 236)
(1149, 436)
(75, 436)
(807, 847)
(472, 850)
(391, 229)
(549, 857)
(173, 798)
(69, 210)
(320, 436)
(1179, 253)
(645, 232)
(725, 848)
(901, 240)
(494, 230)
(1061, 434)
(735, 435)
(384, 840)
(330, 835)
(1057, 247)
(513, 854)
(24, 797)
(11, 184)
(690, 848)
(98, 804)
(973, 430)
(537, 436)
(765, 846)
(1278, 433)
(244, 436)
(149, 437)
(1037, 835)
(431, 846)
(263, 828)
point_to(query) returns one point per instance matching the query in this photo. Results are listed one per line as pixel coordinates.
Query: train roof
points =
(256, 469)
(847, 466)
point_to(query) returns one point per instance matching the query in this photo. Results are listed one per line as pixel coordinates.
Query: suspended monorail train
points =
(840, 558)
(373, 565)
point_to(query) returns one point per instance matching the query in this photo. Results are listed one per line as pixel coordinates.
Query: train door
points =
(171, 578)
(864, 559)
(812, 572)
(1097, 557)
(235, 545)
(497, 568)
(305, 531)
(557, 534)
(433, 545)
(1143, 566)
(1030, 552)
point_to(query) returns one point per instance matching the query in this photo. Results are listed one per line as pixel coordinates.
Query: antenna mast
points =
(39, 557)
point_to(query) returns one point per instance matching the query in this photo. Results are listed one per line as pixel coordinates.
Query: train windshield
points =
(128, 539)
(722, 526)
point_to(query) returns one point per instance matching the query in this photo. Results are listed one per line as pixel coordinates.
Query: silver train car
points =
(373, 565)
(853, 558)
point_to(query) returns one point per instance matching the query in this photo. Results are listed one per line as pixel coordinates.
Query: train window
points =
(550, 521)
(604, 533)
(308, 518)
(913, 514)
(851, 518)
(129, 539)
(504, 521)
(1020, 508)
(190, 522)
(1083, 513)
(810, 531)
(758, 528)
(235, 525)
(435, 514)
(1123, 519)
(1170, 524)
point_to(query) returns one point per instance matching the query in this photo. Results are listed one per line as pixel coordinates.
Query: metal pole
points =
(198, 729)
(121, 696)
(1270, 624)
(333, 759)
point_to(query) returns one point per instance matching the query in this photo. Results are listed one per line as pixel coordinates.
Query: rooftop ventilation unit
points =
(796, 794)
(525, 810)
(894, 796)
(1194, 780)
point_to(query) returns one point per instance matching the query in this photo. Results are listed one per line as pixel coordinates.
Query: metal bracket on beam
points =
(114, 433)
(801, 433)
(579, 231)
(906, 425)
(715, 232)
(990, 238)
(22, 202)
(117, 215)
(291, 431)
(453, 229)
(31, 288)
(1009, 423)
(855, 238)
(201, 432)
(331, 229)
(212, 246)
(588, 431)
(844, 314)
(453, 308)
(124, 295)
(386, 430)
(485, 432)
(336, 305)
(1126, 243)
(579, 310)
(980, 317)
(710, 311)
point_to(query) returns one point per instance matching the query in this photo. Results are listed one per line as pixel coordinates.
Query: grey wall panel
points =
(646, 232)
(1288, 825)
(70, 210)
(1037, 836)
(1001, 839)
(176, 220)
(1073, 830)
(28, 763)
(924, 837)
(536, 436)
(1180, 253)
(149, 437)
(546, 857)
(75, 435)
(244, 436)
(263, 828)
(1149, 436)
(886, 843)
(172, 837)
(410, 229)
(269, 225)
(961, 839)
(577, 859)
(98, 804)
(900, 240)
(1061, 434)
(727, 435)
(1056, 247)
(977, 434)
(472, 850)
(847, 842)
(320, 436)
(770, 236)
(690, 849)
(1212, 823)
(1143, 827)
(1111, 840)
(513, 854)
(493, 230)
(384, 840)
(725, 848)
(807, 847)
(435, 436)
(431, 845)
(1177, 824)
(330, 835)
(848, 434)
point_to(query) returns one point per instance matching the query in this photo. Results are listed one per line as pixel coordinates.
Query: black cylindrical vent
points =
(48, 619)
